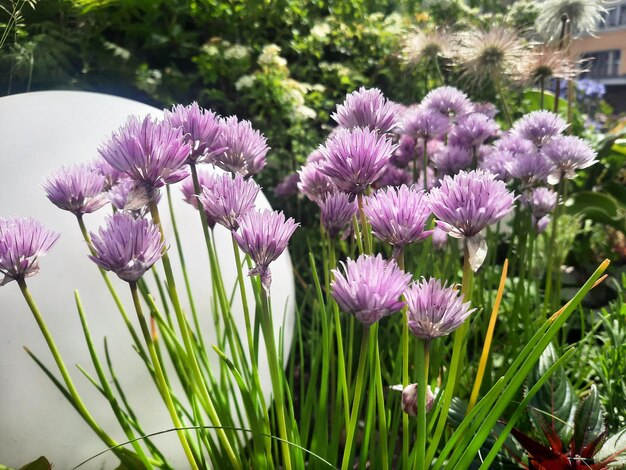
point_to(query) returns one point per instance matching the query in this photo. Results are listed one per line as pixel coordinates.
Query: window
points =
(614, 16)
(603, 64)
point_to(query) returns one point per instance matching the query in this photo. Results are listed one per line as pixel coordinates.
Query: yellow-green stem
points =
(405, 373)
(192, 360)
(160, 377)
(422, 383)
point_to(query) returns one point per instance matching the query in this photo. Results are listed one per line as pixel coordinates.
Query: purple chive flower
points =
(448, 101)
(336, 212)
(229, 199)
(201, 129)
(409, 399)
(569, 153)
(405, 152)
(398, 216)
(127, 246)
(206, 180)
(422, 123)
(264, 236)
(531, 168)
(111, 175)
(542, 202)
(431, 182)
(370, 289)
(469, 202)
(355, 158)
(472, 130)
(496, 162)
(393, 176)
(77, 189)
(245, 148)
(515, 145)
(450, 159)
(440, 238)
(288, 186)
(22, 242)
(434, 310)
(313, 183)
(539, 127)
(152, 153)
(367, 108)
(315, 156)
(486, 108)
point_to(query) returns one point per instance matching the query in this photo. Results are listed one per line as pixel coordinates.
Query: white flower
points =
(236, 52)
(304, 112)
(270, 57)
(210, 49)
(245, 81)
(320, 31)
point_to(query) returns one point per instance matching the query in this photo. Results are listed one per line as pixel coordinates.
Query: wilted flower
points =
(245, 148)
(584, 15)
(488, 54)
(206, 180)
(370, 289)
(355, 158)
(264, 236)
(288, 186)
(409, 399)
(473, 130)
(546, 62)
(569, 153)
(125, 195)
(422, 123)
(229, 198)
(398, 215)
(201, 129)
(469, 202)
(539, 127)
(367, 108)
(127, 246)
(150, 152)
(448, 101)
(434, 310)
(22, 242)
(313, 183)
(77, 189)
(450, 159)
(336, 212)
(421, 45)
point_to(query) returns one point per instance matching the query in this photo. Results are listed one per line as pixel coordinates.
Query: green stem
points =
(191, 357)
(365, 232)
(550, 255)
(425, 165)
(422, 383)
(557, 89)
(276, 377)
(405, 373)
(542, 85)
(457, 348)
(380, 400)
(497, 79)
(356, 402)
(160, 377)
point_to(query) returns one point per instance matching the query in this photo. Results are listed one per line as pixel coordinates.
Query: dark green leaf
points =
(40, 464)
(615, 444)
(589, 420)
(553, 408)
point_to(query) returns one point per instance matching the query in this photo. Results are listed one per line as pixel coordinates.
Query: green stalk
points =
(356, 402)
(542, 85)
(425, 164)
(160, 377)
(73, 393)
(459, 341)
(191, 357)
(365, 231)
(422, 383)
(497, 80)
(547, 293)
(275, 375)
(112, 291)
(380, 400)
(405, 373)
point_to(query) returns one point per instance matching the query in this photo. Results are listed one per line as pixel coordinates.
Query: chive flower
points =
(314, 184)
(77, 189)
(450, 159)
(539, 127)
(448, 101)
(201, 129)
(127, 246)
(369, 288)
(229, 198)
(398, 215)
(409, 399)
(337, 210)
(240, 148)
(367, 108)
(434, 310)
(127, 196)
(355, 158)
(421, 123)
(469, 202)
(150, 152)
(472, 130)
(569, 153)
(264, 235)
(206, 180)
(22, 242)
